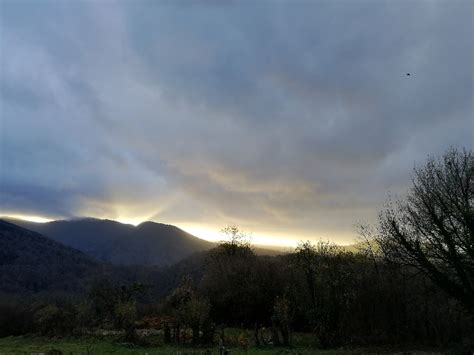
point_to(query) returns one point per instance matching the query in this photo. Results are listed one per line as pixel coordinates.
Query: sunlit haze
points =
(36, 219)
(210, 234)
(290, 120)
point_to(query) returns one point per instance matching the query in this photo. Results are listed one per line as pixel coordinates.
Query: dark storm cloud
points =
(294, 117)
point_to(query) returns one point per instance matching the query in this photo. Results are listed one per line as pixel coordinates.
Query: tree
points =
(125, 317)
(328, 280)
(53, 320)
(116, 305)
(188, 309)
(432, 229)
(312, 260)
(282, 316)
(235, 242)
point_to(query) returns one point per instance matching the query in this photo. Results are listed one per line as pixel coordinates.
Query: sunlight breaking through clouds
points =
(286, 119)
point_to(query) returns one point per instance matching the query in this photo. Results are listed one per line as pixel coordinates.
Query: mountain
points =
(30, 262)
(148, 244)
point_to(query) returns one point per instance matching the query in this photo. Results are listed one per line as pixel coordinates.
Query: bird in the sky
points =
(408, 74)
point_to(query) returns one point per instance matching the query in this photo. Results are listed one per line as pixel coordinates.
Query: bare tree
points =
(432, 229)
(235, 241)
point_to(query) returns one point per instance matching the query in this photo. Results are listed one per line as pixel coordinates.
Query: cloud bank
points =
(286, 118)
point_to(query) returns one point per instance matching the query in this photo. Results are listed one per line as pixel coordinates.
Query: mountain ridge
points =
(31, 262)
(149, 243)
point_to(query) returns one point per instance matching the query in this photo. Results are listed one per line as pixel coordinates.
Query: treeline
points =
(342, 298)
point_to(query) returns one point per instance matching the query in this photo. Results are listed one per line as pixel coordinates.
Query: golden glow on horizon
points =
(214, 235)
(203, 233)
(209, 233)
(31, 218)
(132, 221)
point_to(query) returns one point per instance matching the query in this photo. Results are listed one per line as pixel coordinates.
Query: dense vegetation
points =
(409, 282)
(30, 262)
(340, 297)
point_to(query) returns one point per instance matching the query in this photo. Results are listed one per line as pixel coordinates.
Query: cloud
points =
(292, 119)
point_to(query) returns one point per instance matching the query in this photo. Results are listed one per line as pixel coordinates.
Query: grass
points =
(110, 345)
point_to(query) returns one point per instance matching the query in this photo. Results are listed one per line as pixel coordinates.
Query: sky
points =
(294, 120)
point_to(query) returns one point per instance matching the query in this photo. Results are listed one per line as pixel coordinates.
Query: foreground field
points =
(107, 345)
(110, 345)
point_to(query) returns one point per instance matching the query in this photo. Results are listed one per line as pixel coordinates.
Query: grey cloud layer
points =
(278, 116)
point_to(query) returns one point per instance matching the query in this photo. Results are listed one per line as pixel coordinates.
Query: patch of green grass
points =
(110, 345)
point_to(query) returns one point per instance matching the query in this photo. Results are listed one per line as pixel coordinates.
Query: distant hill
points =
(32, 263)
(147, 244)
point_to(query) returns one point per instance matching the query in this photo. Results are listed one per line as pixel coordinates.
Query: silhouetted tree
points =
(229, 278)
(235, 241)
(432, 229)
(329, 284)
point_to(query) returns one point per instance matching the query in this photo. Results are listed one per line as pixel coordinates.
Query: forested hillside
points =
(149, 243)
(30, 262)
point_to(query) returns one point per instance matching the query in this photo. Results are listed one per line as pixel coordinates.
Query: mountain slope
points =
(30, 262)
(149, 243)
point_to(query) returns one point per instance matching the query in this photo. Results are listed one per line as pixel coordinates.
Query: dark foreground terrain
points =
(154, 345)
(320, 297)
